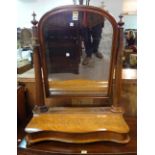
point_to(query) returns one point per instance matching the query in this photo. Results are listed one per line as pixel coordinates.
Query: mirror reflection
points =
(78, 51)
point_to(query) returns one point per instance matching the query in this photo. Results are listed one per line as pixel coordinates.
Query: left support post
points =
(37, 64)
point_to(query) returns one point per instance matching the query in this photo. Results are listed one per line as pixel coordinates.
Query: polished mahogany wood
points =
(128, 93)
(106, 148)
(76, 120)
(37, 64)
(77, 138)
(109, 125)
(77, 125)
(92, 9)
(118, 69)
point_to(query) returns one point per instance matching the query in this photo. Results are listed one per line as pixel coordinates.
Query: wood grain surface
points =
(78, 120)
(78, 125)
(106, 148)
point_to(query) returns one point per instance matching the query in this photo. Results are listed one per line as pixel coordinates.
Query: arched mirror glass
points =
(78, 51)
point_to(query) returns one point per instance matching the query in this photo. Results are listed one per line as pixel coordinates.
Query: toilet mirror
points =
(77, 47)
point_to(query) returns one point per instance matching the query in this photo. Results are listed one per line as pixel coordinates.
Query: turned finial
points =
(34, 21)
(121, 23)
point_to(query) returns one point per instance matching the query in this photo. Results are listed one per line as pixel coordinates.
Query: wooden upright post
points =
(37, 64)
(118, 69)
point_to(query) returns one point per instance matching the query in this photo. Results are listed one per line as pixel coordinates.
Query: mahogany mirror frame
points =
(46, 16)
(39, 46)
